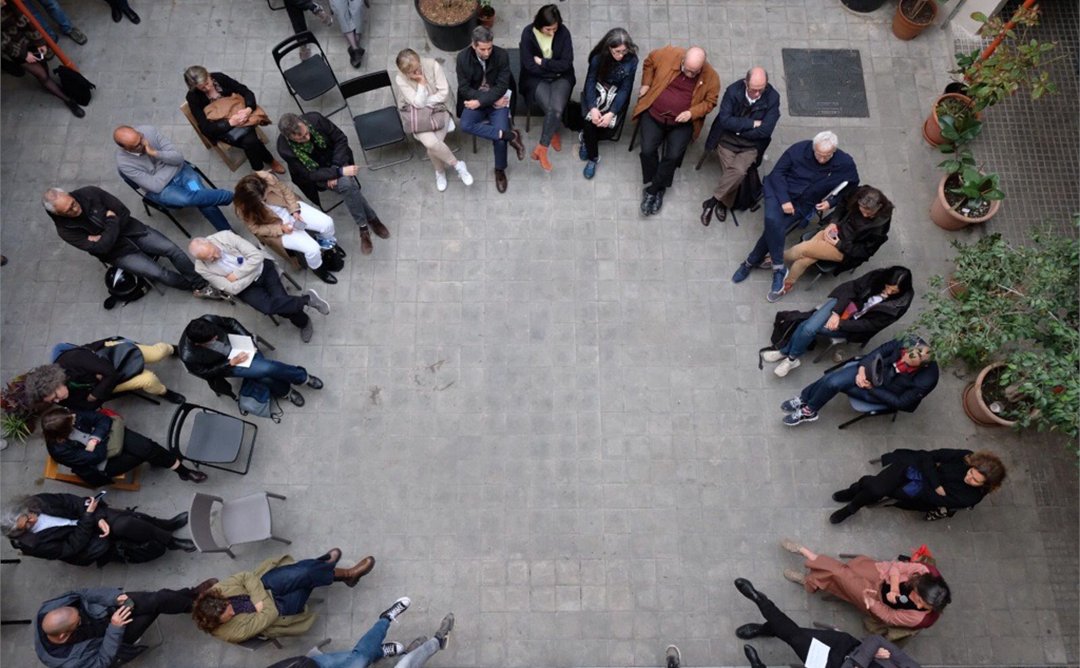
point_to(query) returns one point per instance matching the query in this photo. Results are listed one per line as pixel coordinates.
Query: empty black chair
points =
(214, 439)
(311, 77)
(381, 127)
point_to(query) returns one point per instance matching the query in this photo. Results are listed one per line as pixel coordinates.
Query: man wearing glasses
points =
(678, 89)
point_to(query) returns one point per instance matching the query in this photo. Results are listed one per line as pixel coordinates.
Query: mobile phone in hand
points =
(128, 603)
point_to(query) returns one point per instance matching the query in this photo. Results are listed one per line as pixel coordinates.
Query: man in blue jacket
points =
(801, 183)
(898, 374)
(740, 134)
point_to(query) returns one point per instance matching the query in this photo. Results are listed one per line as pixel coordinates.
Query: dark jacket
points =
(939, 468)
(470, 75)
(198, 100)
(621, 74)
(559, 66)
(863, 655)
(75, 456)
(116, 231)
(330, 159)
(900, 391)
(734, 123)
(799, 178)
(92, 604)
(879, 317)
(17, 36)
(211, 366)
(860, 238)
(295, 662)
(80, 545)
(89, 370)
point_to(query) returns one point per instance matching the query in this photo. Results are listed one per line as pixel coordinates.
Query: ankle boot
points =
(365, 242)
(351, 576)
(541, 153)
(556, 142)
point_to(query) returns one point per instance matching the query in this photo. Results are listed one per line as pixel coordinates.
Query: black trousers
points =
(662, 150)
(592, 136)
(128, 526)
(248, 141)
(150, 604)
(295, 9)
(798, 638)
(138, 449)
(873, 488)
(267, 295)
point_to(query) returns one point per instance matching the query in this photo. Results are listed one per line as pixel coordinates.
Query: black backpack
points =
(784, 324)
(75, 86)
(124, 287)
(750, 192)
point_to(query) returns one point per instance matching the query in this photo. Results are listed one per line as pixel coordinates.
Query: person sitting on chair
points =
(85, 377)
(740, 133)
(485, 98)
(897, 375)
(219, 121)
(275, 215)
(271, 601)
(149, 160)
(861, 227)
(99, 627)
(843, 650)
(235, 266)
(934, 482)
(855, 311)
(609, 83)
(206, 353)
(95, 221)
(97, 447)
(83, 531)
(319, 158)
(801, 183)
(547, 75)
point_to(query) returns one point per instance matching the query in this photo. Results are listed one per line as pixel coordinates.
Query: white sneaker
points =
(463, 172)
(440, 181)
(787, 365)
(772, 356)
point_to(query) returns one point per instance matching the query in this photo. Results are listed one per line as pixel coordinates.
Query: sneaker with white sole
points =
(772, 356)
(778, 288)
(318, 303)
(440, 181)
(399, 606)
(392, 649)
(463, 172)
(793, 404)
(786, 365)
(673, 657)
(804, 414)
(445, 627)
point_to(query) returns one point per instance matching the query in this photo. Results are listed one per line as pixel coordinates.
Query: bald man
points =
(740, 134)
(149, 160)
(678, 89)
(98, 628)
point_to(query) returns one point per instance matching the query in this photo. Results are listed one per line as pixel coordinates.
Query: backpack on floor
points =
(75, 86)
(124, 287)
(332, 260)
(784, 324)
(130, 552)
(255, 399)
(750, 192)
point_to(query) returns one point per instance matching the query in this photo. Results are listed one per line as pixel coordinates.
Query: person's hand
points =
(868, 597)
(110, 214)
(644, 89)
(502, 103)
(418, 77)
(32, 58)
(122, 616)
(538, 60)
(90, 397)
(350, 170)
(832, 323)
(287, 228)
(239, 359)
(788, 208)
(683, 117)
(121, 598)
(232, 278)
(472, 104)
(891, 596)
(92, 504)
(259, 606)
(757, 124)
(823, 206)
(832, 234)
(94, 238)
(92, 443)
(331, 184)
(297, 217)
(861, 380)
(245, 113)
(939, 490)
(605, 120)
(149, 150)
(882, 653)
(104, 526)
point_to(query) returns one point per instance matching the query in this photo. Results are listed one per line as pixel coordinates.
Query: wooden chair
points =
(128, 482)
(230, 155)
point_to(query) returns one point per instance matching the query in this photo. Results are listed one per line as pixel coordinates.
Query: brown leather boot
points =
(516, 144)
(365, 242)
(378, 228)
(351, 576)
(556, 142)
(540, 153)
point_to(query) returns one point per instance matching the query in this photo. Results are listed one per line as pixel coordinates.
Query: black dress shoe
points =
(707, 212)
(182, 544)
(296, 398)
(657, 202)
(751, 631)
(324, 274)
(132, 16)
(746, 588)
(752, 657)
(174, 523)
(841, 515)
(314, 382)
(720, 213)
(76, 110)
(500, 180)
(117, 15)
(647, 202)
(845, 495)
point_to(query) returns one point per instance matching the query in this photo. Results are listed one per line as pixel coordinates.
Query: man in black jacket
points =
(740, 134)
(94, 221)
(485, 98)
(898, 375)
(318, 156)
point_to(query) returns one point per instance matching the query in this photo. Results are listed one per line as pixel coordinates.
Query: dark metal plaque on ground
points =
(825, 82)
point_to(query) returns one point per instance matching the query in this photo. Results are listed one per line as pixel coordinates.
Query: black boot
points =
(182, 544)
(846, 495)
(746, 588)
(324, 274)
(177, 522)
(751, 631)
(752, 657)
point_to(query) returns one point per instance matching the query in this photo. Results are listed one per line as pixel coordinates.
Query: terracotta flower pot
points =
(931, 129)
(905, 28)
(943, 216)
(976, 407)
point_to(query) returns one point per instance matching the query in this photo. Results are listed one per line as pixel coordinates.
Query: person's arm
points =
(230, 86)
(777, 180)
(197, 102)
(726, 116)
(588, 93)
(708, 103)
(248, 625)
(74, 542)
(625, 90)
(772, 116)
(253, 259)
(866, 653)
(502, 80)
(530, 50)
(164, 148)
(562, 53)
(442, 88)
(343, 156)
(85, 360)
(861, 245)
(75, 237)
(464, 88)
(895, 617)
(925, 380)
(107, 650)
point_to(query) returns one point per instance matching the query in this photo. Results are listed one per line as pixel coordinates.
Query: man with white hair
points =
(235, 266)
(802, 182)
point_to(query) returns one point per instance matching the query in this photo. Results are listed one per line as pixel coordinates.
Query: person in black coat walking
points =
(855, 311)
(83, 531)
(935, 482)
(547, 74)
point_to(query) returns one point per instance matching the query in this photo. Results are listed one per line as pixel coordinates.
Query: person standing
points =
(59, 16)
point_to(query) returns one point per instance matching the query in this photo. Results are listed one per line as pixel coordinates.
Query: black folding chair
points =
(214, 439)
(378, 128)
(163, 208)
(310, 78)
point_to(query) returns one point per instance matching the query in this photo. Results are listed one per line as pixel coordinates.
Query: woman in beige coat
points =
(420, 83)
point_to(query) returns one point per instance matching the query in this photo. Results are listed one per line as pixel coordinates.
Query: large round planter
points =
(943, 216)
(931, 129)
(862, 6)
(905, 28)
(448, 37)
(976, 407)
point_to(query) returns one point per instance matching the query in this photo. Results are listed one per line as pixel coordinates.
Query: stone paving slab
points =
(542, 411)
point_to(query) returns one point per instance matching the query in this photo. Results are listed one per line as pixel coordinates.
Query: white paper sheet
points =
(242, 344)
(818, 655)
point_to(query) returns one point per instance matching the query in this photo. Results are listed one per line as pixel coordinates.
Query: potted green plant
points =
(914, 16)
(1018, 61)
(1018, 320)
(17, 418)
(486, 15)
(449, 23)
(966, 194)
(958, 112)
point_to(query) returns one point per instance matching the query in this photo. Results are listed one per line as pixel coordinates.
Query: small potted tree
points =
(17, 418)
(913, 16)
(966, 195)
(953, 121)
(449, 23)
(1018, 320)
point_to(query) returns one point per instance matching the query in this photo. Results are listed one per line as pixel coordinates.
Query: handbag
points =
(224, 107)
(115, 442)
(423, 119)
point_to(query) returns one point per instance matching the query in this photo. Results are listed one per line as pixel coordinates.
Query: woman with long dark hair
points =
(610, 81)
(547, 75)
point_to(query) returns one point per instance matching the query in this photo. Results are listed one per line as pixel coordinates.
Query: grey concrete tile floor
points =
(542, 411)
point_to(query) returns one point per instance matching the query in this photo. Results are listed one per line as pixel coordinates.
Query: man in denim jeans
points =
(56, 12)
(149, 160)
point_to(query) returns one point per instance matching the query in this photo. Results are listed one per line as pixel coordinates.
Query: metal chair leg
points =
(281, 540)
(701, 162)
(860, 416)
(290, 279)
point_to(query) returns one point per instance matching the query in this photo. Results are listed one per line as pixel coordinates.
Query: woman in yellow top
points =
(547, 75)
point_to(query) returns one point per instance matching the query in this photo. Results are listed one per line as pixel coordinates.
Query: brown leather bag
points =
(224, 107)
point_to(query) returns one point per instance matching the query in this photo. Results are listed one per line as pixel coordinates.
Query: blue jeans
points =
(56, 12)
(820, 392)
(291, 585)
(808, 330)
(368, 649)
(771, 240)
(278, 376)
(177, 195)
(498, 120)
